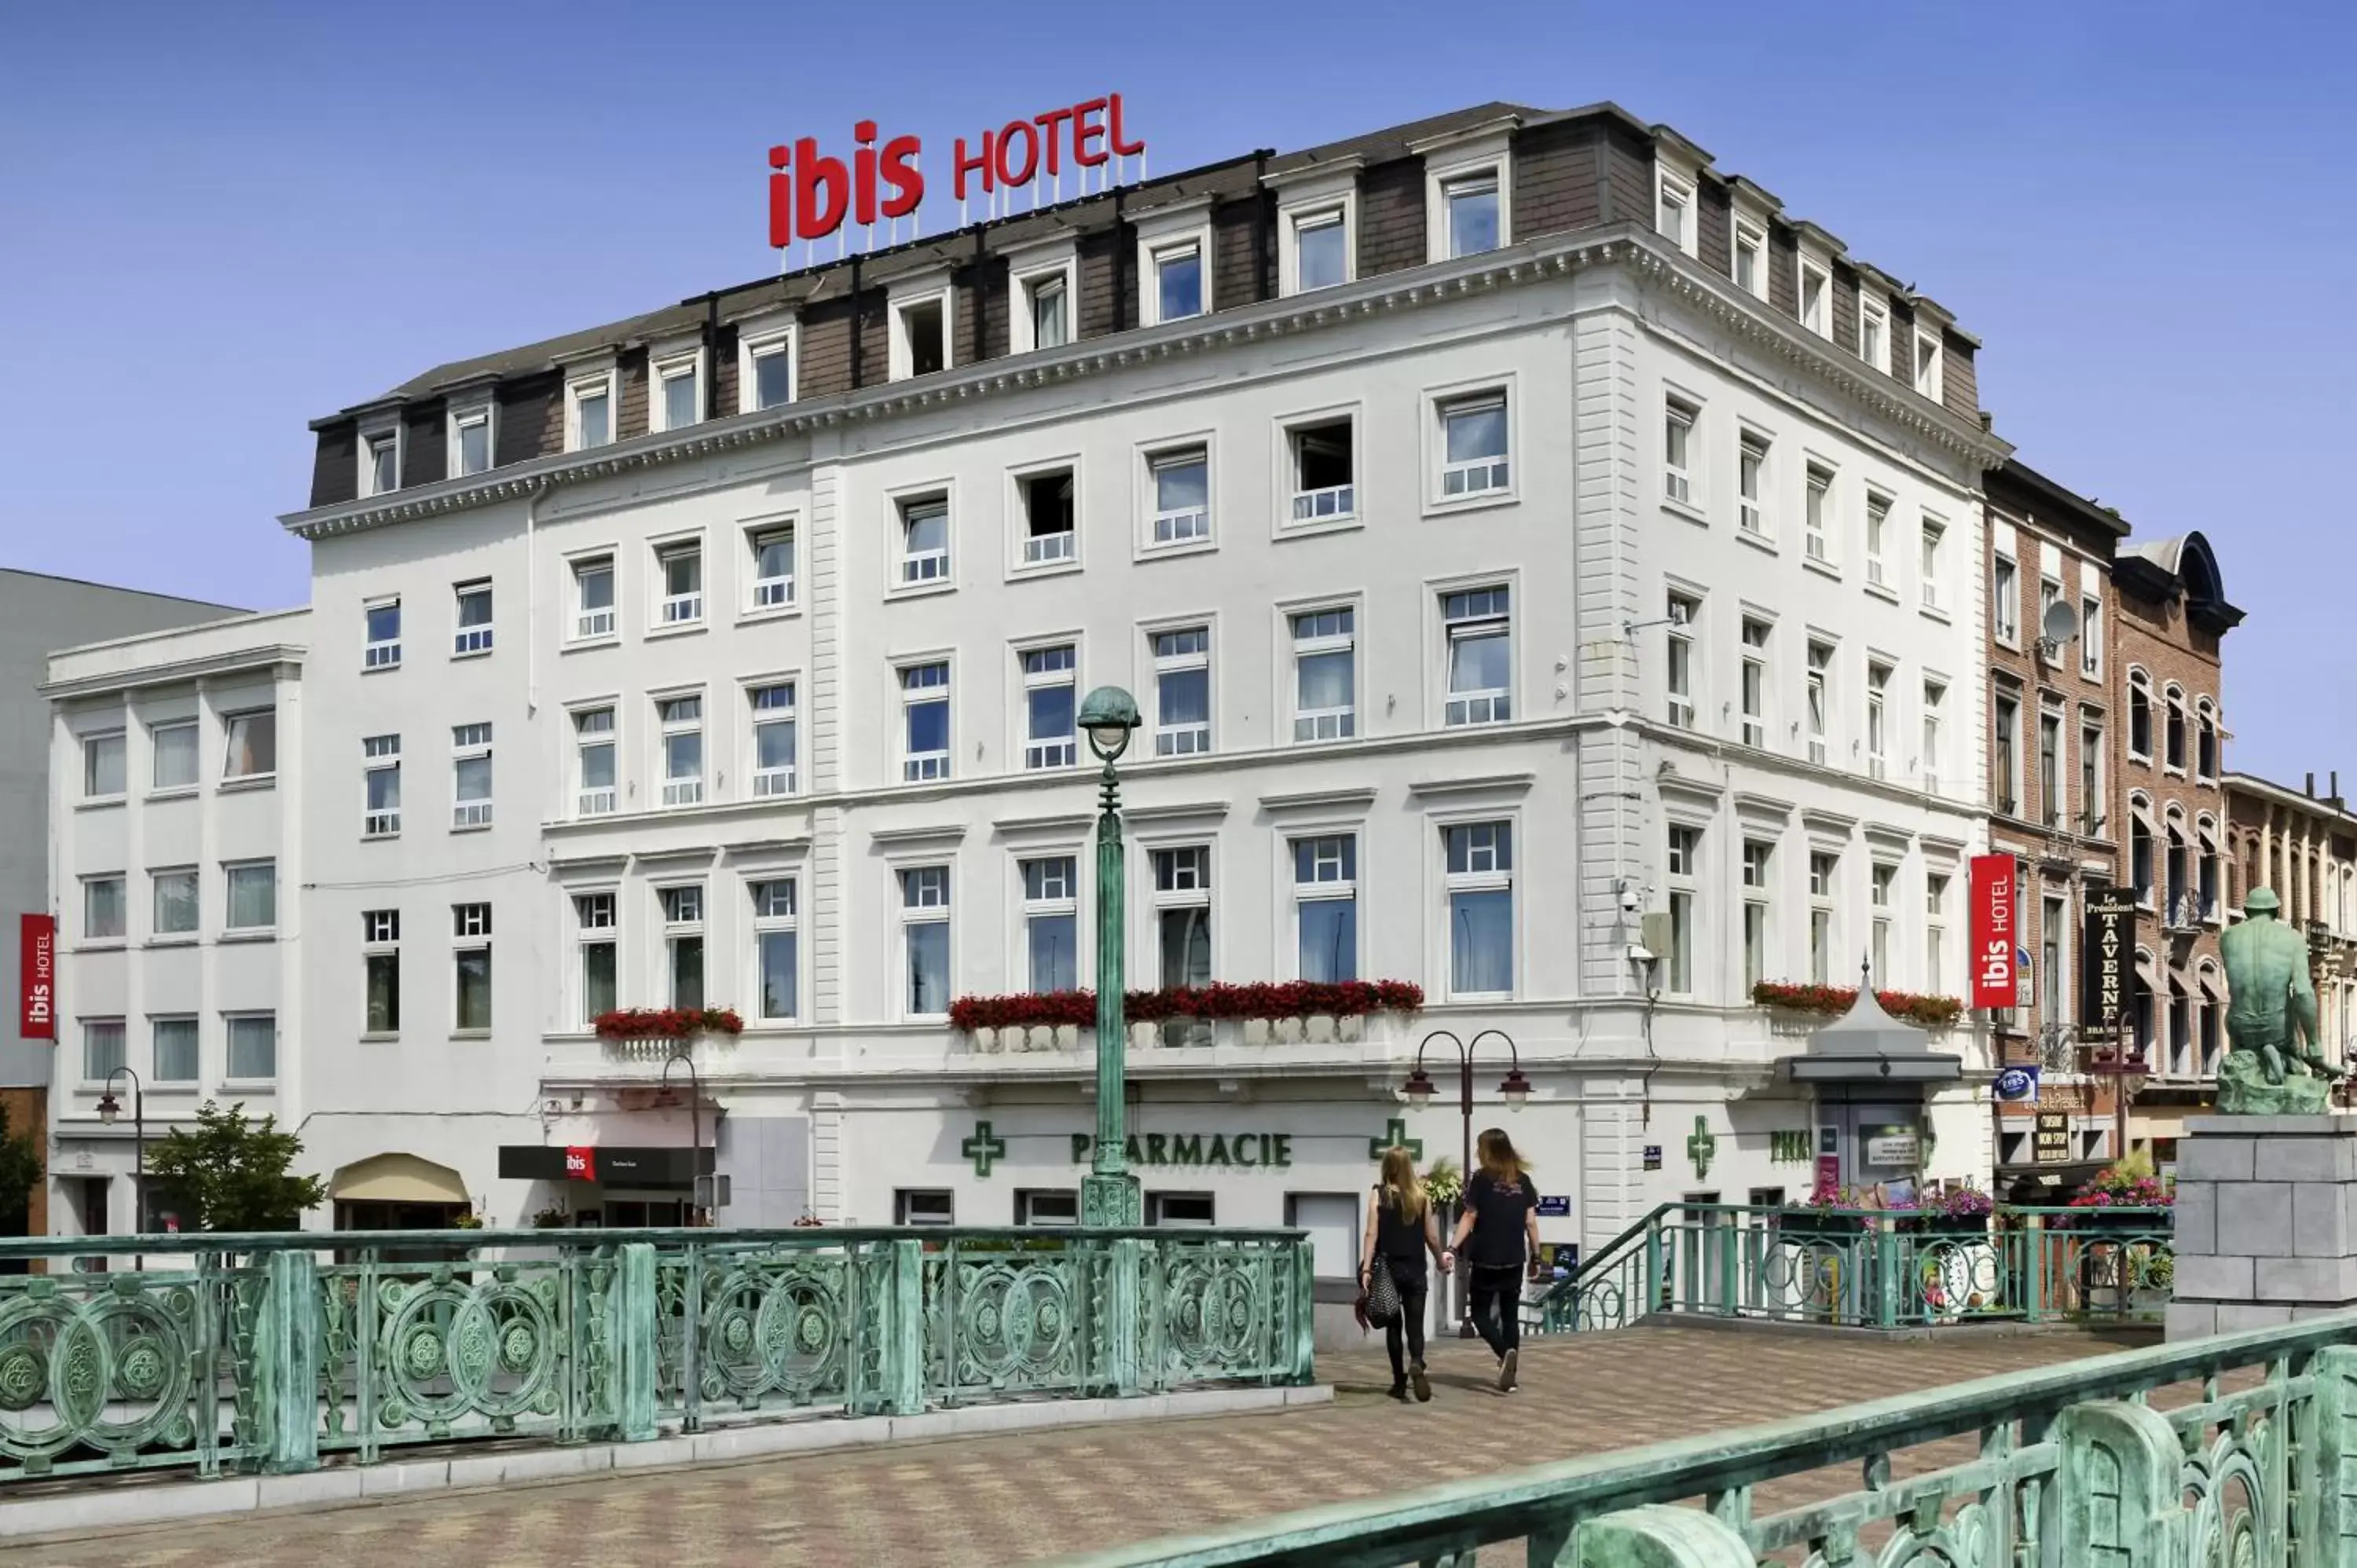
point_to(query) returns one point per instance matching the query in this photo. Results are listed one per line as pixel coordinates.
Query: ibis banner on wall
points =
(36, 1012)
(1993, 933)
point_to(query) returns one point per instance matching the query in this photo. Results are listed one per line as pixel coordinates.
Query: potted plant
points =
(1831, 1210)
(1960, 1210)
(2123, 1198)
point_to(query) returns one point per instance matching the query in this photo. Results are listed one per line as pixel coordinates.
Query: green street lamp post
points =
(1109, 1193)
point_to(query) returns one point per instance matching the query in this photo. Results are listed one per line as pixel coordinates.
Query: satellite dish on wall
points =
(2061, 622)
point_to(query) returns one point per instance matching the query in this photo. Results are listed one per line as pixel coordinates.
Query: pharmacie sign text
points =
(1272, 1150)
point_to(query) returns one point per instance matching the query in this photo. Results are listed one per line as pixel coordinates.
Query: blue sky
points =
(220, 221)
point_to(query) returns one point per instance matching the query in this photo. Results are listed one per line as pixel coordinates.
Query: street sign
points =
(1558, 1208)
(1652, 1156)
(2109, 936)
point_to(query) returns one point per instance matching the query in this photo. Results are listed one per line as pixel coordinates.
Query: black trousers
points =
(1408, 1325)
(1497, 1306)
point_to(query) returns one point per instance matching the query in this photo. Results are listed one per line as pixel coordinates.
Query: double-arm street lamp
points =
(1109, 1193)
(1515, 1090)
(109, 1109)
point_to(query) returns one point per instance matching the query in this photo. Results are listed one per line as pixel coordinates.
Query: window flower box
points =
(1319, 1011)
(644, 1030)
(1833, 1001)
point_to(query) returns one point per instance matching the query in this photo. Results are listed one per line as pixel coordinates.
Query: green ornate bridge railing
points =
(2234, 1452)
(1873, 1268)
(278, 1352)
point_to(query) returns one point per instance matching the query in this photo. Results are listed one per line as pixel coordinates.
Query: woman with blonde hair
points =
(1401, 1228)
(1502, 1214)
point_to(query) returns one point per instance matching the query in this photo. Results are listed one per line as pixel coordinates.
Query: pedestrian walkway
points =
(987, 1500)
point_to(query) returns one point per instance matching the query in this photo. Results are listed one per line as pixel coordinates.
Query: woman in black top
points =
(1400, 1230)
(1501, 1214)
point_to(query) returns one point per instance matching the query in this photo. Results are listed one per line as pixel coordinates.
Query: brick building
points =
(2304, 846)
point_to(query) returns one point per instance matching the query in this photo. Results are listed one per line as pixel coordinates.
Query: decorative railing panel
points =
(273, 1350)
(2233, 1452)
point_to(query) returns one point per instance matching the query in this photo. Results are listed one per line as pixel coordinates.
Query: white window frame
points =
(1480, 706)
(470, 933)
(1881, 901)
(1027, 271)
(1820, 512)
(663, 368)
(1681, 428)
(156, 876)
(1458, 158)
(230, 870)
(1935, 704)
(2091, 634)
(1332, 506)
(1879, 673)
(681, 789)
(932, 290)
(596, 924)
(1929, 378)
(926, 767)
(122, 1053)
(768, 919)
(603, 383)
(1749, 234)
(2008, 752)
(376, 652)
(157, 1022)
(1879, 506)
(380, 754)
(1497, 473)
(588, 800)
(771, 595)
(1755, 509)
(1049, 906)
(230, 1021)
(2140, 684)
(915, 904)
(1189, 529)
(1172, 740)
(1876, 313)
(1034, 553)
(373, 439)
(1682, 657)
(1039, 755)
(2004, 598)
(471, 642)
(464, 417)
(1818, 697)
(1182, 895)
(1935, 927)
(380, 938)
(759, 341)
(684, 914)
(1825, 912)
(1758, 874)
(773, 782)
(470, 742)
(1681, 853)
(1477, 879)
(1677, 190)
(120, 883)
(1932, 538)
(582, 624)
(1810, 265)
(1325, 725)
(1755, 680)
(88, 747)
(1166, 232)
(923, 571)
(679, 611)
(196, 747)
(1347, 864)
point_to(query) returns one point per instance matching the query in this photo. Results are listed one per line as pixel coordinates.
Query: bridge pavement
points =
(988, 1500)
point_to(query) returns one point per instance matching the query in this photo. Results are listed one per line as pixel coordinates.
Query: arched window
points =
(2180, 1028)
(2140, 846)
(2175, 755)
(2211, 996)
(2210, 869)
(2205, 741)
(2176, 886)
(2139, 715)
(2144, 1002)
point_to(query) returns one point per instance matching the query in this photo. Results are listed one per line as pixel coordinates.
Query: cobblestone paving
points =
(983, 1501)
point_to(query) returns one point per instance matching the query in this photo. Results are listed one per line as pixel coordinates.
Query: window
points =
(470, 441)
(1878, 731)
(1324, 674)
(2140, 853)
(1473, 446)
(1324, 472)
(1182, 495)
(925, 540)
(2005, 600)
(1824, 876)
(1049, 707)
(768, 371)
(1755, 682)
(773, 567)
(1049, 532)
(1935, 534)
(1178, 281)
(1759, 892)
(1326, 907)
(925, 929)
(1479, 880)
(1677, 450)
(593, 762)
(1935, 930)
(1750, 484)
(471, 963)
(2049, 594)
(1182, 914)
(1935, 697)
(1048, 301)
(1470, 207)
(101, 1049)
(1816, 299)
(1750, 259)
(1188, 1211)
(381, 771)
(925, 711)
(474, 633)
(1048, 1206)
(923, 1208)
(1322, 250)
(676, 387)
(253, 896)
(682, 917)
(2174, 756)
(1815, 518)
(2090, 779)
(470, 776)
(2049, 768)
(1680, 661)
(2139, 716)
(382, 650)
(101, 908)
(681, 723)
(592, 924)
(102, 766)
(2091, 636)
(381, 970)
(1051, 922)
(1683, 867)
(2055, 921)
(2007, 723)
(252, 744)
(1479, 629)
(174, 1044)
(1878, 534)
(1820, 697)
(1882, 890)
(1874, 332)
(773, 738)
(384, 463)
(1928, 379)
(1182, 691)
(921, 336)
(175, 747)
(680, 568)
(1674, 215)
(2205, 744)
(592, 413)
(592, 597)
(175, 902)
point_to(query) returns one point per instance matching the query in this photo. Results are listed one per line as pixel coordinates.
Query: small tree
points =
(231, 1174)
(20, 1173)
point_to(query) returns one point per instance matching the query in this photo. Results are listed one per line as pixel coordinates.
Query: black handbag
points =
(1382, 1293)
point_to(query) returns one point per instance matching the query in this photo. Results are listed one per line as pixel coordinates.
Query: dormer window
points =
(676, 400)
(1751, 258)
(1178, 281)
(1816, 297)
(1043, 288)
(1468, 188)
(921, 334)
(1874, 332)
(1927, 365)
(470, 440)
(381, 463)
(1470, 202)
(590, 412)
(1050, 305)
(1673, 210)
(1174, 263)
(765, 368)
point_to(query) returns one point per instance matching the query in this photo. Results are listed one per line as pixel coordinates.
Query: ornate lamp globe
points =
(1107, 716)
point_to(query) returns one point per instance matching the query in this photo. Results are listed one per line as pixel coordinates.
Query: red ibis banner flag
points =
(37, 1012)
(1994, 937)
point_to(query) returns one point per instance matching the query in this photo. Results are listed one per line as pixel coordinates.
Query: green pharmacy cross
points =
(983, 1148)
(1701, 1148)
(1394, 1136)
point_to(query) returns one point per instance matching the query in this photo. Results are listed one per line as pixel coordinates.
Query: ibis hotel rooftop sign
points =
(813, 193)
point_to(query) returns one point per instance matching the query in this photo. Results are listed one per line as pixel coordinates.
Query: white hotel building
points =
(1510, 526)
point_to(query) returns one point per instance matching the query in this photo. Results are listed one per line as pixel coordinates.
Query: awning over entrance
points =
(1867, 1044)
(397, 1178)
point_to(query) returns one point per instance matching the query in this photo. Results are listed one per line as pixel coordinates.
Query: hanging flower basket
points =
(667, 1023)
(1833, 1001)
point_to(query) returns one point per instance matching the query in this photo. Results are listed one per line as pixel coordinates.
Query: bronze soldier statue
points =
(2272, 1064)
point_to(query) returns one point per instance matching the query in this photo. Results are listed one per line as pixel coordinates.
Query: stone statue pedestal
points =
(2266, 1223)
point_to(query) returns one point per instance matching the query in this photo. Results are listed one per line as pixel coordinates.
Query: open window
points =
(1324, 460)
(921, 336)
(1050, 516)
